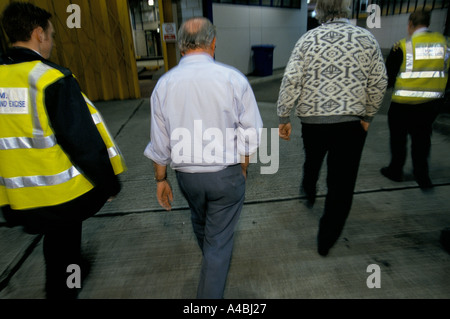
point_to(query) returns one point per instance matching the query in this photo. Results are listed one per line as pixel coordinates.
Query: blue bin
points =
(263, 59)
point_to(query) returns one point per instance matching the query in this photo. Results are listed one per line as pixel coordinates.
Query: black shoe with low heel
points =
(393, 176)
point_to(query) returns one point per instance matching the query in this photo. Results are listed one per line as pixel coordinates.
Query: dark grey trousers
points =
(216, 201)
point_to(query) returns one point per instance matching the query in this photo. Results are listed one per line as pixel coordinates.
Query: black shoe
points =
(445, 239)
(322, 251)
(310, 196)
(424, 182)
(396, 177)
(323, 246)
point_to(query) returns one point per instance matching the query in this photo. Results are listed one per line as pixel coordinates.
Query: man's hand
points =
(244, 172)
(164, 195)
(284, 131)
(245, 161)
(163, 190)
(365, 125)
(111, 199)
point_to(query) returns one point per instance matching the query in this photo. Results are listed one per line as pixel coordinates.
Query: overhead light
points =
(151, 3)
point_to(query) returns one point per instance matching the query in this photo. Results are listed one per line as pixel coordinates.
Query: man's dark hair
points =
(19, 19)
(420, 17)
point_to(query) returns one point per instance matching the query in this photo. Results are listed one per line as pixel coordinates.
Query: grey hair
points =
(331, 9)
(196, 33)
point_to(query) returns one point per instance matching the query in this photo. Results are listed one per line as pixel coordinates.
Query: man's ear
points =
(38, 34)
(410, 26)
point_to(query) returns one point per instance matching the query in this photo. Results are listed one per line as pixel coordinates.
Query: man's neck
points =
(419, 29)
(26, 45)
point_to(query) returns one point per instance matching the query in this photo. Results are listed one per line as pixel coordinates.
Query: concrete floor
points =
(139, 251)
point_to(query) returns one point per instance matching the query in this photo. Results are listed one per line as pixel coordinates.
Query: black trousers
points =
(62, 247)
(343, 144)
(417, 122)
(61, 226)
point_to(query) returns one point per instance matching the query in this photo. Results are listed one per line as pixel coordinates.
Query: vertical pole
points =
(447, 23)
(207, 9)
(169, 49)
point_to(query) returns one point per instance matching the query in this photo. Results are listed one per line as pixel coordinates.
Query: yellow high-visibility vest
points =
(115, 156)
(34, 169)
(424, 72)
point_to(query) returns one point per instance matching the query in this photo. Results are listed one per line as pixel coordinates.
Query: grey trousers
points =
(216, 201)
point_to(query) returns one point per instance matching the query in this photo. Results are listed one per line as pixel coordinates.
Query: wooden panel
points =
(100, 53)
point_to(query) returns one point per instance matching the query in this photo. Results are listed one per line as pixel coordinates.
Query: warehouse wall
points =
(240, 27)
(100, 51)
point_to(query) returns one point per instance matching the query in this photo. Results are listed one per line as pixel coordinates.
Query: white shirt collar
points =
(339, 20)
(37, 52)
(424, 29)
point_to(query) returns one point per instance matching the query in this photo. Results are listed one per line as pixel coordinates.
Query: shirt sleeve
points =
(291, 84)
(393, 63)
(76, 133)
(250, 123)
(158, 149)
(376, 85)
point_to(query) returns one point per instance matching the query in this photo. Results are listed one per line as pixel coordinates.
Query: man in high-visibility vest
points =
(417, 68)
(58, 163)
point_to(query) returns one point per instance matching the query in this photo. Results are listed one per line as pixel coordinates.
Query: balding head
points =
(196, 34)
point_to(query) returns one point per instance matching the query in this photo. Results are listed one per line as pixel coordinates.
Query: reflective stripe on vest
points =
(34, 181)
(37, 141)
(10, 143)
(422, 74)
(115, 156)
(423, 94)
(416, 84)
(50, 141)
(34, 170)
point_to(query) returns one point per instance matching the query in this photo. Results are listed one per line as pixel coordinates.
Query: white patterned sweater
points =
(336, 73)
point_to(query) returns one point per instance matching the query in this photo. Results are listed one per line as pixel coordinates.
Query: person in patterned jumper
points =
(335, 80)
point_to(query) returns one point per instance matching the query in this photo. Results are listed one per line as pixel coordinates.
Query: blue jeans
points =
(216, 201)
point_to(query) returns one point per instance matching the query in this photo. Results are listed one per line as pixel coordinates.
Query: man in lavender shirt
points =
(205, 124)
